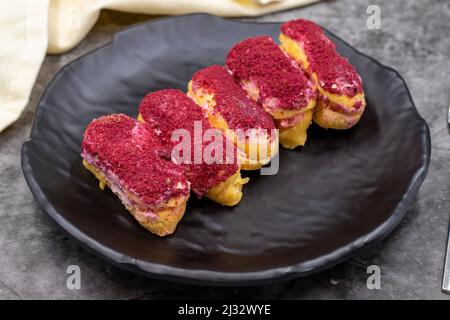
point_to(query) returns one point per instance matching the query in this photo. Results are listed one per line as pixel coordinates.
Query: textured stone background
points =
(414, 39)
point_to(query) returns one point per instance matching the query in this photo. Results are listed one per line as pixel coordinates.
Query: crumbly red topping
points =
(232, 102)
(169, 110)
(335, 74)
(278, 77)
(131, 151)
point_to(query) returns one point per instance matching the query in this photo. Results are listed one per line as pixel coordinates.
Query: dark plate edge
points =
(206, 277)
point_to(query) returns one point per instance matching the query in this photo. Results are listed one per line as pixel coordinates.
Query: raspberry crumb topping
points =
(232, 102)
(169, 110)
(278, 77)
(130, 150)
(335, 74)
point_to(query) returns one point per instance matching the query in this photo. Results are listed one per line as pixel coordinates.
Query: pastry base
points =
(295, 136)
(228, 192)
(163, 219)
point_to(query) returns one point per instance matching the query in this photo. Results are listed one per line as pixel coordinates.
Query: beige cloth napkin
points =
(30, 28)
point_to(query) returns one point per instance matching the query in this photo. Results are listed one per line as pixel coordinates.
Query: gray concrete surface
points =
(414, 39)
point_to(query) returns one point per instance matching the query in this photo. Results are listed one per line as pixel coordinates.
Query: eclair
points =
(275, 81)
(209, 159)
(126, 156)
(341, 101)
(242, 120)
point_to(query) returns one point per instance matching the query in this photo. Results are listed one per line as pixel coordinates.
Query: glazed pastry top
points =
(131, 152)
(335, 74)
(232, 102)
(168, 110)
(278, 77)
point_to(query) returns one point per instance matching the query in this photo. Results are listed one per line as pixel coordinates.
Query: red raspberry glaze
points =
(130, 150)
(259, 59)
(335, 74)
(169, 110)
(232, 102)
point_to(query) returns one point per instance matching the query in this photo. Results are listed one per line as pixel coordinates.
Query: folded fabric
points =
(23, 38)
(30, 28)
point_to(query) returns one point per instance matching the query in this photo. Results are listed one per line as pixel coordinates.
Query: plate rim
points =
(210, 277)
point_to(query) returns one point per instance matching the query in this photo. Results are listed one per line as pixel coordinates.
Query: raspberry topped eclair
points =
(229, 109)
(126, 156)
(274, 80)
(210, 164)
(341, 98)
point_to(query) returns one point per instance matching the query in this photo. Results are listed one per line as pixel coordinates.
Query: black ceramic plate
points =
(343, 191)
